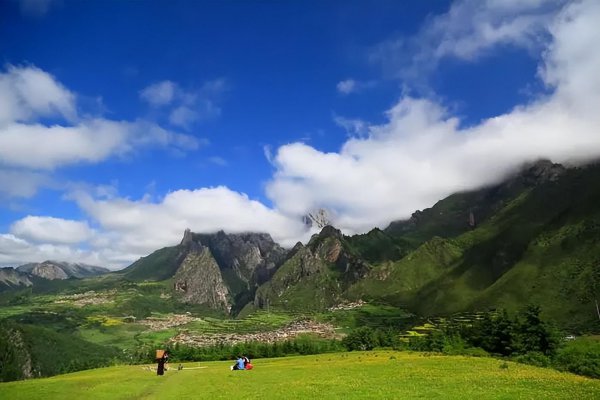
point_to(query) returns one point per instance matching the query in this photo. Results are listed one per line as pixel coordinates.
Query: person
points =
(239, 364)
(161, 364)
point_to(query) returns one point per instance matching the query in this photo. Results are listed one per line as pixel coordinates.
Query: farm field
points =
(355, 375)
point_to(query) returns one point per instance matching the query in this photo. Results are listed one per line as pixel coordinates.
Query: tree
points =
(533, 334)
(362, 338)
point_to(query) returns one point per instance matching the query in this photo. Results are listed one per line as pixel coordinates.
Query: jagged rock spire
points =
(187, 237)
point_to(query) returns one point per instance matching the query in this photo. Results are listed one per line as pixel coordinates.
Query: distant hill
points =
(12, 278)
(61, 270)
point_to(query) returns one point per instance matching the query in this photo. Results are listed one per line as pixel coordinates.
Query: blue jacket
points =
(240, 363)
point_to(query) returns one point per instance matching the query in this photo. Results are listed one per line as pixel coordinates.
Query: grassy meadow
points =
(355, 375)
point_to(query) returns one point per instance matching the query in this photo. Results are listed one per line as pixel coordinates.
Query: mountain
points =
(12, 278)
(61, 270)
(534, 238)
(220, 270)
(314, 276)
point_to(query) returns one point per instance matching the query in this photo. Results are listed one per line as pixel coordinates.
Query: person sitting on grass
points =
(239, 364)
(247, 364)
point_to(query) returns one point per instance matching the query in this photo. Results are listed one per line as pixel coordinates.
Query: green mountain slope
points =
(541, 247)
(537, 240)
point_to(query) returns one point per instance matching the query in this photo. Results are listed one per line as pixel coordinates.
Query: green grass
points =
(381, 374)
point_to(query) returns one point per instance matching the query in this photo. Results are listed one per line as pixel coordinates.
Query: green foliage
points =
(581, 356)
(28, 350)
(493, 332)
(363, 338)
(160, 265)
(532, 334)
(367, 338)
(302, 345)
(377, 246)
(536, 358)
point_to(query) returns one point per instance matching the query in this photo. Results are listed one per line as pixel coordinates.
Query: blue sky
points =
(126, 122)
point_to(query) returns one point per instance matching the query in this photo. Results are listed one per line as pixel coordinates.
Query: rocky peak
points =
(198, 280)
(12, 277)
(187, 237)
(48, 270)
(330, 231)
(541, 171)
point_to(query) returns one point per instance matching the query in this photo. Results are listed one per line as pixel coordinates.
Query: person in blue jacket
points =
(239, 364)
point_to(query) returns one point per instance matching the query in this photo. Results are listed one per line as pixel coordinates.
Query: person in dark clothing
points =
(161, 364)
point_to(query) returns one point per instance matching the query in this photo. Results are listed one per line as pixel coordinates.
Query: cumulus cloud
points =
(28, 94)
(23, 184)
(15, 251)
(133, 223)
(90, 141)
(421, 154)
(51, 230)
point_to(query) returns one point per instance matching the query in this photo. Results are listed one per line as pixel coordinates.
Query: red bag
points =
(249, 366)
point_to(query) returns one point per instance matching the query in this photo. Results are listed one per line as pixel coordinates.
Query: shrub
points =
(534, 358)
(581, 356)
(362, 338)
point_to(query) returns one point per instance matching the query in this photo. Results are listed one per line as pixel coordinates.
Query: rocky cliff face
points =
(9, 277)
(198, 280)
(223, 270)
(314, 275)
(61, 270)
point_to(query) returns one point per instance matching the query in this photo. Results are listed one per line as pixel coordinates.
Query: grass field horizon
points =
(375, 374)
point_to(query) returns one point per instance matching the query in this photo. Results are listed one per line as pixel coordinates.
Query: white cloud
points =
(468, 31)
(28, 92)
(422, 155)
(159, 94)
(353, 126)
(353, 86)
(51, 230)
(15, 251)
(186, 106)
(136, 228)
(183, 116)
(346, 87)
(24, 184)
(90, 141)
(220, 161)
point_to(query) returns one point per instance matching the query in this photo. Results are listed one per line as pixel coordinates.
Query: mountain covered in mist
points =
(532, 238)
